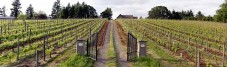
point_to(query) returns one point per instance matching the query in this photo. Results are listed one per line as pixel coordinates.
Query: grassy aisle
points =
(66, 54)
(111, 55)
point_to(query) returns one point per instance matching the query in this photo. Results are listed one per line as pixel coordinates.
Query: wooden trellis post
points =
(196, 51)
(170, 40)
(18, 45)
(223, 62)
(5, 28)
(44, 49)
(198, 60)
(1, 30)
(37, 58)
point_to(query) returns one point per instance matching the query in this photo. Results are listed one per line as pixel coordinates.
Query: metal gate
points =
(131, 47)
(92, 50)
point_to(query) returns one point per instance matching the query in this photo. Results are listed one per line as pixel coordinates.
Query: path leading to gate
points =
(120, 52)
(102, 53)
(119, 49)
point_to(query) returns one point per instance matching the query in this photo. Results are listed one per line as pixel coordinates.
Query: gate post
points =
(80, 47)
(142, 51)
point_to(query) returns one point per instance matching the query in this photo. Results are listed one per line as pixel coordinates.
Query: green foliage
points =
(175, 15)
(107, 13)
(147, 62)
(199, 16)
(3, 11)
(21, 16)
(77, 61)
(40, 15)
(78, 11)
(208, 18)
(159, 12)
(10, 55)
(187, 15)
(50, 50)
(25, 49)
(60, 44)
(56, 9)
(221, 13)
(30, 12)
(15, 11)
(162, 12)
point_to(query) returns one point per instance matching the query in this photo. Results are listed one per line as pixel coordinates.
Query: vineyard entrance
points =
(92, 49)
(131, 47)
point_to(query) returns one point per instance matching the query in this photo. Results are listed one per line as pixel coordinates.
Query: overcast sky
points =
(133, 7)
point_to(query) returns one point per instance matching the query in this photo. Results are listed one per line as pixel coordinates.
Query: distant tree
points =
(221, 13)
(199, 16)
(40, 15)
(208, 18)
(92, 12)
(30, 12)
(107, 13)
(65, 12)
(21, 16)
(141, 17)
(73, 11)
(3, 11)
(15, 11)
(56, 9)
(176, 15)
(78, 11)
(187, 15)
(159, 12)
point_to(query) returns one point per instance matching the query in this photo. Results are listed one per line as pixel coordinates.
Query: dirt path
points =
(121, 54)
(102, 53)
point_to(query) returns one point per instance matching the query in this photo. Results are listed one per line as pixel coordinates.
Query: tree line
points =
(78, 10)
(162, 12)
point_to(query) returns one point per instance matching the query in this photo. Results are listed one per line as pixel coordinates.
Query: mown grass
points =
(112, 62)
(77, 61)
(147, 62)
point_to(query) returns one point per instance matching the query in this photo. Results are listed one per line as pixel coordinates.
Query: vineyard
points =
(22, 40)
(169, 43)
(182, 43)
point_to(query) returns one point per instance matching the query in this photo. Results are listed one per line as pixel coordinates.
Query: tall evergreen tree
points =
(15, 11)
(56, 9)
(3, 11)
(30, 12)
(175, 15)
(78, 11)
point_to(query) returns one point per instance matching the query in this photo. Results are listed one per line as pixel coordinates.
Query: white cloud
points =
(134, 7)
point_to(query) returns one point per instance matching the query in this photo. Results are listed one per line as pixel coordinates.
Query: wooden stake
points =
(37, 58)
(18, 44)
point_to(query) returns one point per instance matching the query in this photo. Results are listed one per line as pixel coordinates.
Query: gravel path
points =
(102, 53)
(121, 54)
